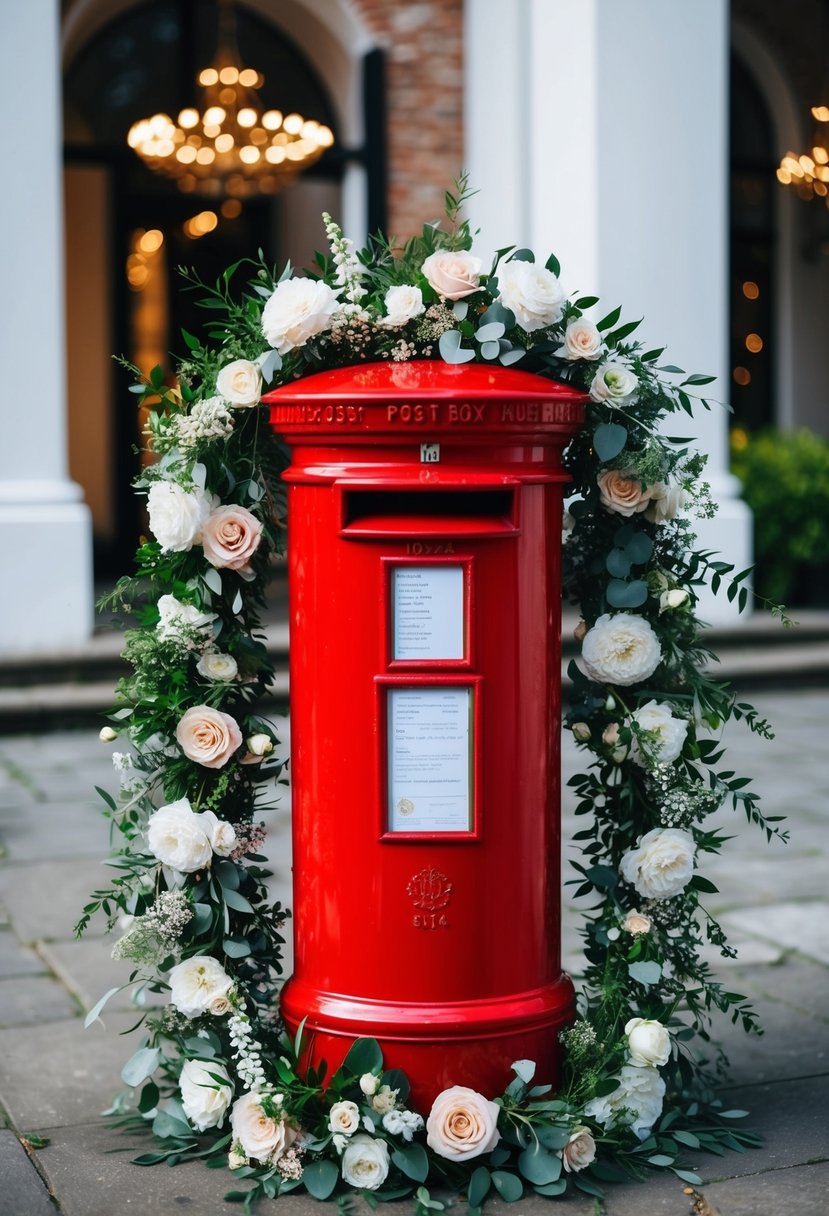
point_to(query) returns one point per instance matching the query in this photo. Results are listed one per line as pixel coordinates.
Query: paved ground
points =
(56, 1078)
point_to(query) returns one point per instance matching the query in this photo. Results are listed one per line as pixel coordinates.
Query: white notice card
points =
(427, 614)
(429, 759)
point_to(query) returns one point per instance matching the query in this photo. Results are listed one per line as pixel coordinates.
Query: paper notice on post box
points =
(429, 759)
(427, 612)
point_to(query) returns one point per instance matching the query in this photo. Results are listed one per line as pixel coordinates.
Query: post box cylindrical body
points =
(425, 509)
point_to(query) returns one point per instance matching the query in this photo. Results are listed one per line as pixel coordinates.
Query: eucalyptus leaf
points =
(645, 973)
(490, 332)
(512, 356)
(140, 1066)
(270, 362)
(320, 1178)
(460, 308)
(539, 1167)
(508, 1186)
(490, 350)
(95, 1011)
(202, 918)
(626, 595)
(552, 1188)
(412, 1161)
(609, 439)
(525, 1069)
(498, 313)
(479, 1185)
(199, 475)
(451, 350)
(236, 948)
(237, 604)
(236, 901)
(213, 580)
(639, 548)
(618, 563)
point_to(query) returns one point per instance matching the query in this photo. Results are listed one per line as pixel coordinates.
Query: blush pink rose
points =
(453, 274)
(208, 736)
(230, 537)
(462, 1124)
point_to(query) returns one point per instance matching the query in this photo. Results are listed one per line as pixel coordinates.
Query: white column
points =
(622, 156)
(45, 528)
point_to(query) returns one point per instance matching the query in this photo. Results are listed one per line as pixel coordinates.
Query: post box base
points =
(472, 1043)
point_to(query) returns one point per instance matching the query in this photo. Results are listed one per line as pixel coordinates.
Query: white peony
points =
(402, 305)
(344, 1118)
(217, 666)
(299, 309)
(263, 1137)
(177, 516)
(532, 292)
(365, 1162)
(662, 863)
(649, 1043)
(240, 383)
(195, 984)
(582, 340)
(175, 616)
(204, 1099)
(621, 649)
(637, 1102)
(667, 735)
(177, 836)
(615, 384)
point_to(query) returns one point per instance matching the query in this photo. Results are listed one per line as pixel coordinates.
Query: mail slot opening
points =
(429, 512)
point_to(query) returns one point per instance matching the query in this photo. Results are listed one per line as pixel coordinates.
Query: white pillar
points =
(621, 152)
(45, 528)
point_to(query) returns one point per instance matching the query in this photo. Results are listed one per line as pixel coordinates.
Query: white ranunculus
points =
(621, 649)
(298, 310)
(661, 864)
(402, 305)
(615, 384)
(453, 274)
(214, 665)
(263, 1137)
(582, 340)
(667, 732)
(240, 382)
(176, 836)
(204, 1099)
(174, 616)
(344, 1118)
(462, 1124)
(532, 292)
(667, 500)
(196, 982)
(640, 1094)
(220, 833)
(579, 1150)
(649, 1042)
(177, 516)
(365, 1162)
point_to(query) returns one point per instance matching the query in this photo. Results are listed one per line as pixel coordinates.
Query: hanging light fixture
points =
(808, 174)
(227, 144)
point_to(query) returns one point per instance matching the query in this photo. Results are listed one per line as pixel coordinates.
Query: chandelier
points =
(808, 174)
(227, 144)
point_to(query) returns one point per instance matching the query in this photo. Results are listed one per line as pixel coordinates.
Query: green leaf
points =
(698, 379)
(95, 1011)
(688, 1138)
(552, 1188)
(108, 799)
(149, 1098)
(395, 1079)
(618, 563)
(703, 884)
(626, 595)
(412, 1161)
(604, 877)
(645, 973)
(166, 1125)
(236, 901)
(639, 548)
(236, 947)
(554, 266)
(364, 1055)
(213, 580)
(609, 439)
(610, 320)
(320, 1178)
(508, 1186)
(688, 1176)
(451, 350)
(202, 918)
(552, 1136)
(140, 1066)
(479, 1185)
(490, 332)
(539, 1167)
(525, 1069)
(732, 1114)
(661, 1159)
(523, 255)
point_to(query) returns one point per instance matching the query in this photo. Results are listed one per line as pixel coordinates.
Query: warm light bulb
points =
(249, 78)
(224, 142)
(151, 241)
(249, 154)
(188, 118)
(205, 156)
(275, 156)
(186, 154)
(272, 120)
(213, 116)
(208, 76)
(293, 124)
(246, 117)
(229, 75)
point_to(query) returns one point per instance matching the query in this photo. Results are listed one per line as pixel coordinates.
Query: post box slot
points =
(403, 512)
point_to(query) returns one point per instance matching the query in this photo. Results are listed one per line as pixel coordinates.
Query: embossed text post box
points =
(425, 507)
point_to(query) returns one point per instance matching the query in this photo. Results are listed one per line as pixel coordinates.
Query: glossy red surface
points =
(443, 945)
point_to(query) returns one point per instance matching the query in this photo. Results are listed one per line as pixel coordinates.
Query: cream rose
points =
(230, 537)
(579, 1150)
(369, 1083)
(640, 1094)
(175, 617)
(298, 310)
(532, 292)
(452, 274)
(205, 1100)
(667, 735)
(219, 1007)
(666, 502)
(217, 666)
(622, 491)
(196, 983)
(462, 1124)
(582, 340)
(177, 836)
(615, 384)
(240, 382)
(262, 1136)
(208, 736)
(621, 649)
(220, 833)
(649, 1043)
(402, 305)
(637, 923)
(344, 1118)
(177, 516)
(365, 1162)
(662, 863)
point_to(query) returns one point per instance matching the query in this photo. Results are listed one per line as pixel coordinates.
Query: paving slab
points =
(88, 970)
(57, 830)
(45, 899)
(30, 999)
(15, 959)
(787, 1192)
(23, 1191)
(802, 926)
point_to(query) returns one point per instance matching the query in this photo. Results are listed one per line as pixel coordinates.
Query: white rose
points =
(666, 502)
(662, 863)
(369, 1083)
(219, 1007)
(299, 309)
(174, 616)
(640, 1093)
(177, 516)
(217, 666)
(581, 732)
(196, 982)
(532, 292)
(384, 1100)
(615, 384)
(579, 1150)
(621, 649)
(678, 597)
(259, 745)
(636, 923)
(176, 836)
(236, 1157)
(344, 1118)
(402, 305)
(582, 340)
(462, 1124)
(220, 833)
(107, 735)
(649, 1042)
(262, 1136)
(240, 382)
(452, 274)
(205, 1100)
(669, 732)
(366, 1162)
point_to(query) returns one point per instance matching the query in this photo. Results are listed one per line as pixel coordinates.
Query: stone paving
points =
(56, 1078)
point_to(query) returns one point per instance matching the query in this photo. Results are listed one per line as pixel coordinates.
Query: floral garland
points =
(190, 892)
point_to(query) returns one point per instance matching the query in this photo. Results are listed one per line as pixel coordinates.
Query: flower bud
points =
(259, 745)
(610, 703)
(581, 731)
(580, 631)
(107, 734)
(677, 598)
(610, 734)
(369, 1083)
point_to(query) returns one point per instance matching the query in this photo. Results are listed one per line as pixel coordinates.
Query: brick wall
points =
(423, 41)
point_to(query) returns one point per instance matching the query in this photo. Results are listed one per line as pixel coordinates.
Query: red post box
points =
(425, 506)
